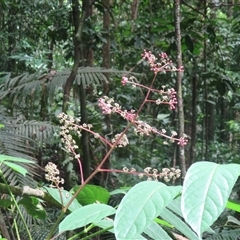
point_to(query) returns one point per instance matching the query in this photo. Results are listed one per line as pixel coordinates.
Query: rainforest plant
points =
(152, 208)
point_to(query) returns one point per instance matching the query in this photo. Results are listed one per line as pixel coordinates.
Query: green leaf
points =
(14, 159)
(5, 203)
(178, 223)
(120, 191)
(163, 223)
(156, 232)
(161, 116)
(85, 215)
(206, 189)
(173, 215)
(233, 206)
(140, 206)
(16, 168)
(64, 198)
(92, 194)
(33, 207)
(105, 223)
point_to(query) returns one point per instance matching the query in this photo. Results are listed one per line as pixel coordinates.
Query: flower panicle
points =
(153, 174)
(51, 175)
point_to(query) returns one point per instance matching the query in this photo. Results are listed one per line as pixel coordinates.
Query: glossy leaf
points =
(140, 206)
(85, 215)
(206, 189)
(64, 198)
(91, 194)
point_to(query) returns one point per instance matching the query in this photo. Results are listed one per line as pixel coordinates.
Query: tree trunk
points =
(179, 84)
(192, 150)
(87, 56)
(134, 13)
(78, 26)
(106, 64)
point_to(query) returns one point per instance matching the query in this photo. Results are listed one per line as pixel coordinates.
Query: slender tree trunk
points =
(177, 19)
(134, 13)
(192, 154)
(106, 64)
(78, 26)
(87, 56)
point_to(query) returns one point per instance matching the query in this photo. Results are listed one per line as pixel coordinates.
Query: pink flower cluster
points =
(164, 65)
(166, 96)
(108, 106)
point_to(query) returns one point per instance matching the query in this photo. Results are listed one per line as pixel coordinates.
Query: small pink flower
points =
(182, 141)
(106, 107)
(124, 81)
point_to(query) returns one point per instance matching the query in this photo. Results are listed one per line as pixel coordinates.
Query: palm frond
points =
(232, 234)
(19, 87)
(38, 131)
(15, 145)
(21, 139)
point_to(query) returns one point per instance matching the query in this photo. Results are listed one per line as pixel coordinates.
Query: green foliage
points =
(33, 207)
(8, 161)
(206, 190)
(233, 206)
(63, 197)
(138, 208)
(89, 214)
(5, 203)
(36, 36)
(191, 209)
(92, 194)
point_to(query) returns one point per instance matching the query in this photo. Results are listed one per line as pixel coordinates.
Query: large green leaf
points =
(91, 194)
(85, 215)
(140, 206)
(206, 189)
(63, 197)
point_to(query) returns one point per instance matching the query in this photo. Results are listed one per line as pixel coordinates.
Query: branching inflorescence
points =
(141, 128)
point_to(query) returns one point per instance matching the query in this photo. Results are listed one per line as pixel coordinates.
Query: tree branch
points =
(31, 192)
